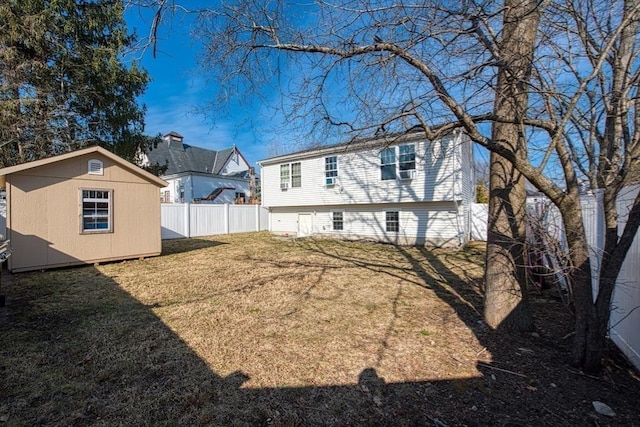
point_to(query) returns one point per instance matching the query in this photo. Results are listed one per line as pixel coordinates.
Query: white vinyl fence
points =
(194, 220)
(624, 325)
(625, 304)
(479, 220)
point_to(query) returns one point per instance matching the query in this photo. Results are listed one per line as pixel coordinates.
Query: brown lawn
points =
(258, 330)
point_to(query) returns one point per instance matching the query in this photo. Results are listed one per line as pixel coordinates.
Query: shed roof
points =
(95, 149)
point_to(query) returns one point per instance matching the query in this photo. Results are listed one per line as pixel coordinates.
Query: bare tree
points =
(591, 96)
(527, 96)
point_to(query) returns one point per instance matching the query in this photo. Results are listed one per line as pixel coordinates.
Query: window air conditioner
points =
(330, 181)
(408, 174)
(284, 185)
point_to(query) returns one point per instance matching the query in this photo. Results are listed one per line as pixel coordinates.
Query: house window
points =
(338, 220)
(290, 175)
(388, 163)
(393, 221)
(166, 197)
(96, 211)
(407, 157)
(330, 169)
(284, 176)
(296, 174)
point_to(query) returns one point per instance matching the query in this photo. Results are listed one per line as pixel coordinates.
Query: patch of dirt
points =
(256, 330)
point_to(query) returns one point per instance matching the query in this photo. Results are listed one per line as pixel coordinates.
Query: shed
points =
(81, 207)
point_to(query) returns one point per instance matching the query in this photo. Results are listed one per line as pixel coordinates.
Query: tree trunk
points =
(593, 323)
(506, 303)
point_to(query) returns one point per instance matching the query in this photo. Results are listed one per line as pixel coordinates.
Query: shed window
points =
(97, 211)
(95, 167)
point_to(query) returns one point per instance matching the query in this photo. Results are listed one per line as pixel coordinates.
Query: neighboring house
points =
(200, 175)
(81, 207)
(404, 190)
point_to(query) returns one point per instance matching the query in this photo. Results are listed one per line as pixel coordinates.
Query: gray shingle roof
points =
(187, 158)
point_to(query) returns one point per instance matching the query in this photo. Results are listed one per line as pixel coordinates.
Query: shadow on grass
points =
(79, 350)
(176, 246)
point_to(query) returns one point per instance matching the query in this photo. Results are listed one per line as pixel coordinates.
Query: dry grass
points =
(245, 329)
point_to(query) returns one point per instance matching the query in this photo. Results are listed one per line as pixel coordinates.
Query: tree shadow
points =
(80, 350)
(176, 246)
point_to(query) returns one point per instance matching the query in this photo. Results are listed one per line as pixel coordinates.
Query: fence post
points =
(257, 217)
(226, 218)
(187, 219)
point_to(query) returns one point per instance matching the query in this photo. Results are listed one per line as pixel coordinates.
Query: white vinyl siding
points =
(437, 168)
(419, 223)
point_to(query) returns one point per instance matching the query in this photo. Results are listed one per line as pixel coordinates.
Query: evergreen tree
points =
(63, 81)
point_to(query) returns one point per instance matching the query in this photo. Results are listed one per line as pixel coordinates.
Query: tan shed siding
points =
(45, 215)
(359, 179)
(434, 223)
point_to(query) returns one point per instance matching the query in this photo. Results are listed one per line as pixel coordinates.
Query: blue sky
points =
(177, 98)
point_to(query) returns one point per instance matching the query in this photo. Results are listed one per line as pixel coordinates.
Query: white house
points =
(200, 175)
(403, 189)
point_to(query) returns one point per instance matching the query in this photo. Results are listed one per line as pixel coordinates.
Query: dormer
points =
(174, 140)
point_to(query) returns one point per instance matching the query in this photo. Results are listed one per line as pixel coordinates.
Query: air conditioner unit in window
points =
(284, 185)
(409, 174)
(330, 181)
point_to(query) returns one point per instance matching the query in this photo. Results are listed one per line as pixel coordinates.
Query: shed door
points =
(305, 225)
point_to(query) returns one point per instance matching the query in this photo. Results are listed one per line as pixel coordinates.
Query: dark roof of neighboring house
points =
(187, 158)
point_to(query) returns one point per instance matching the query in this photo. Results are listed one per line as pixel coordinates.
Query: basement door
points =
(305, 225)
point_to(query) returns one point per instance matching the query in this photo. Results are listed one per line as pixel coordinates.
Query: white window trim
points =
(329, 178)
(398, 211)
(414, 157)
(407, 174)
(109, 229)
(394, 164)
(333, 221)
(285, 185)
